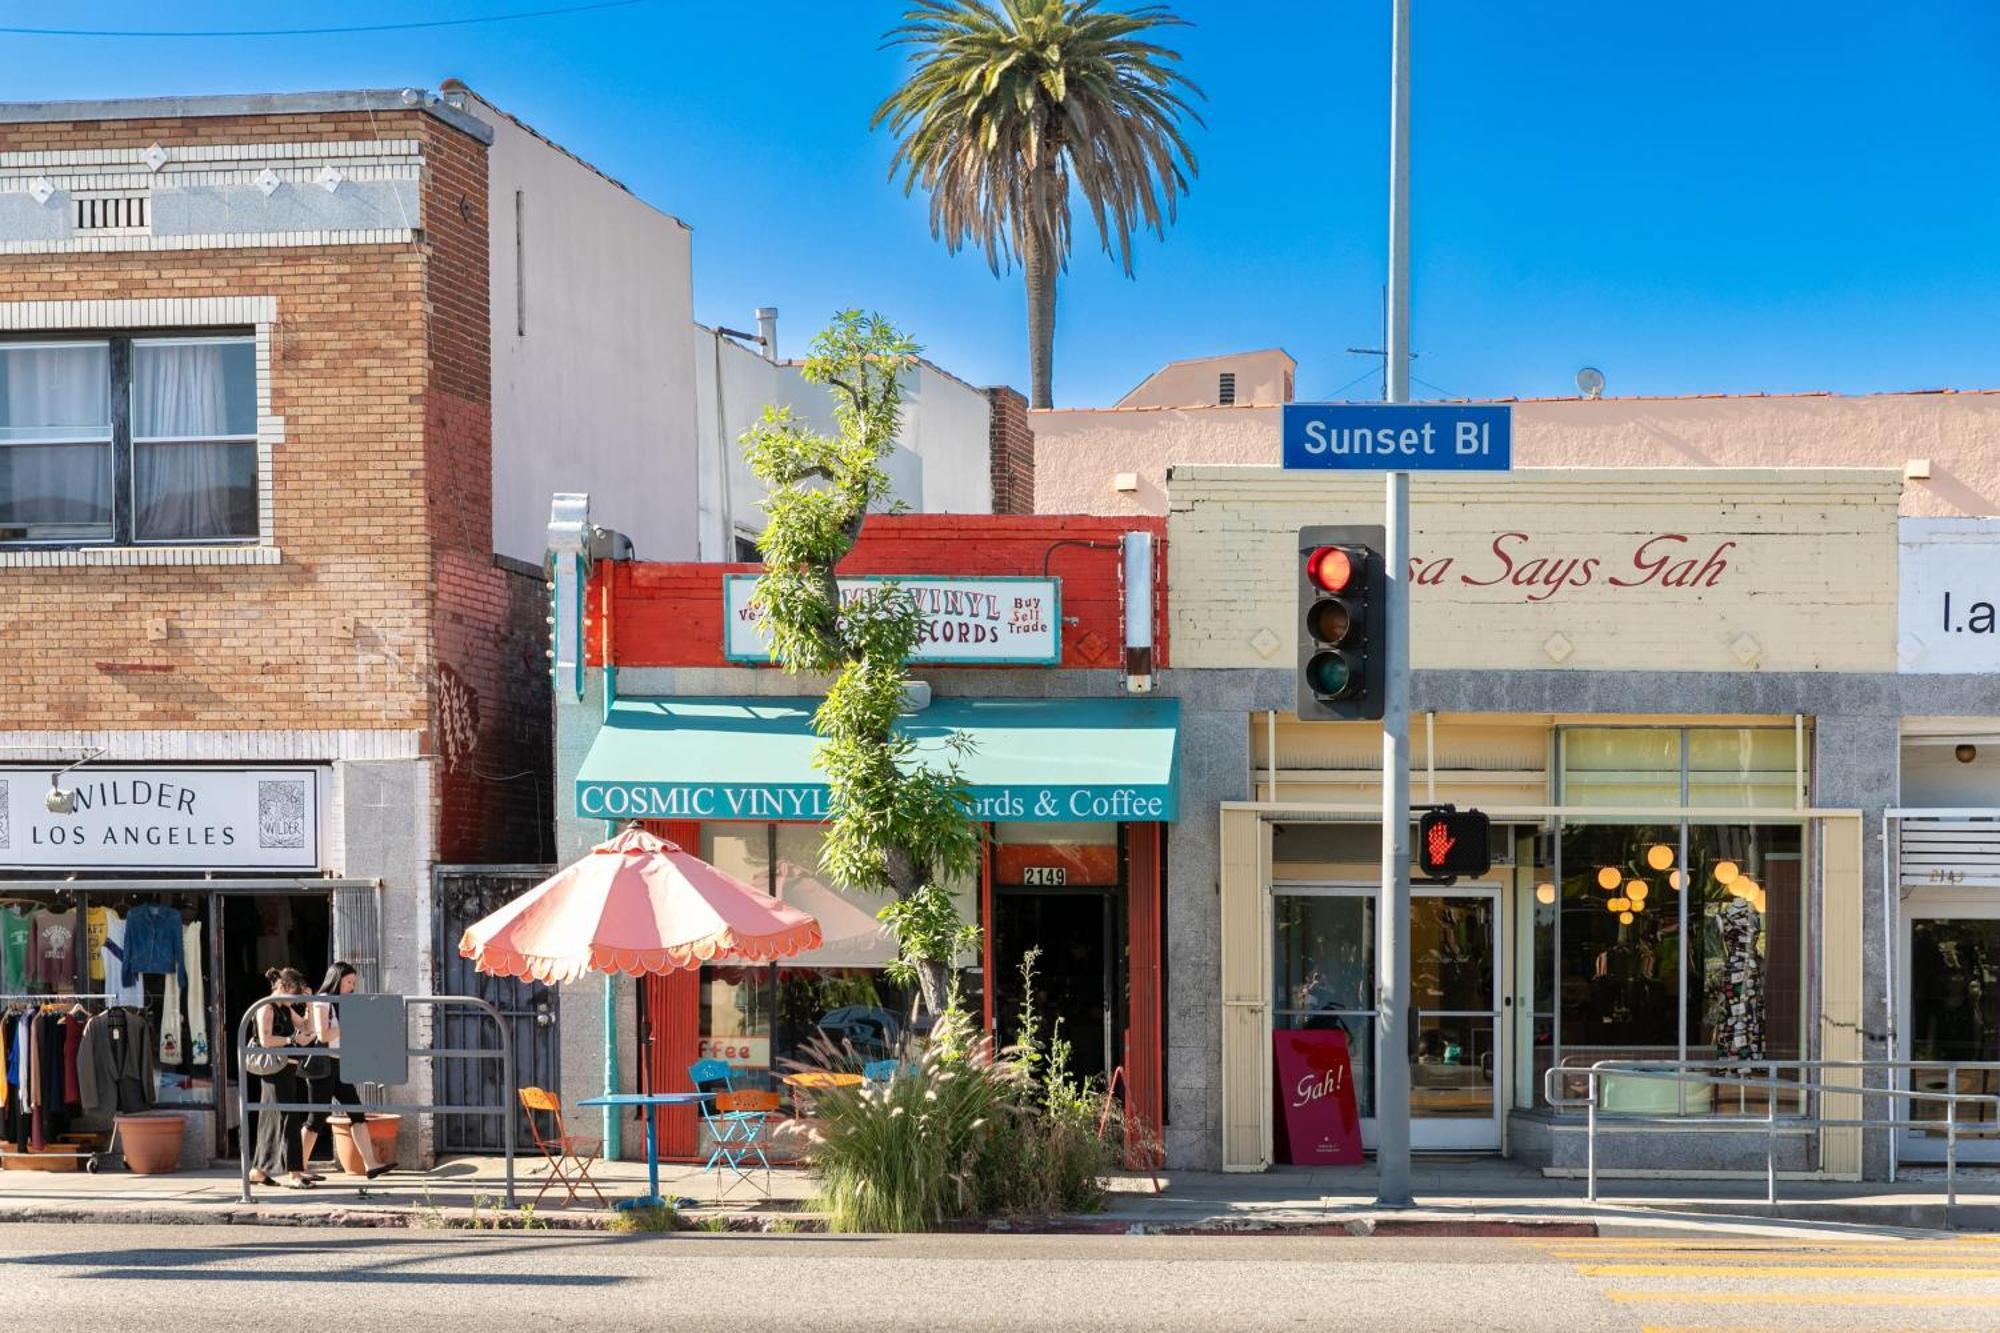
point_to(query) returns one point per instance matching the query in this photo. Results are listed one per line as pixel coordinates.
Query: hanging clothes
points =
(115, 1065)
(13, 951)
(72, 1024)
(132, 994)
(170, 1024)
(96, 931)
(152, 941)
(52, 949)
(197, 995)
(1739, 1001)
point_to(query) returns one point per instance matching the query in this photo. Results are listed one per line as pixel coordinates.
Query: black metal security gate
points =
(462, 895)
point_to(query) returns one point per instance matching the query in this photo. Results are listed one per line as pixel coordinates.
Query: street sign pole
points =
(1392, 915)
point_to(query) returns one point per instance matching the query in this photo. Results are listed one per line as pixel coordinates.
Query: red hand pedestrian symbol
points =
(1438, 843)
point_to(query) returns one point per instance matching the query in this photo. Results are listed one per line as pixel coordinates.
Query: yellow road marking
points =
(1779, 1270)
(1789, 1255)
(1799, 1298)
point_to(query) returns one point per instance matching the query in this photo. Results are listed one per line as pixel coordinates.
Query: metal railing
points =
(1811, 1090)
(247, 1045)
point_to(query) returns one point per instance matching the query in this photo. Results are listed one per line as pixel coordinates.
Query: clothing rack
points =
(47, 997)
(91, 1160)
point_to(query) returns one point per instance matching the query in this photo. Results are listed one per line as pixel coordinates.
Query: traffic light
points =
(1454, 843)
(1342, 597)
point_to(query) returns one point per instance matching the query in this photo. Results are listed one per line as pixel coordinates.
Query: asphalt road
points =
(214, 1279)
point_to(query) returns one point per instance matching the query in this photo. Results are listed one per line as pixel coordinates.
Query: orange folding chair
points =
(570, 1156)
(740, 1123)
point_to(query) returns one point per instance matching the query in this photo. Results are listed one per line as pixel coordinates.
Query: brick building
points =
(1043, 634)
(248, 573)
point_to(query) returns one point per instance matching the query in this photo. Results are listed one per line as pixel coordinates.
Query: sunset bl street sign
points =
(1398, 437)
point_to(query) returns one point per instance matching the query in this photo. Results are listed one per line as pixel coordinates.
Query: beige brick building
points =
(248, 572)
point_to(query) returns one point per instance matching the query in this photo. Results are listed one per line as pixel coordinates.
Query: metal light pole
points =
(1392, 913)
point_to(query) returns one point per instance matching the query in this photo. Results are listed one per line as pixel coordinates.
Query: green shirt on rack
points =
(13, 950)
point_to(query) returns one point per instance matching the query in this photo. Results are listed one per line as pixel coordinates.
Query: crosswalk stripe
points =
(1927, 1299)
(1970, 1259)
(1783, 1270)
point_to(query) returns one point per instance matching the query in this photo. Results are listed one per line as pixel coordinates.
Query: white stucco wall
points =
(1079, 452)
(939, 466)
(593, 368)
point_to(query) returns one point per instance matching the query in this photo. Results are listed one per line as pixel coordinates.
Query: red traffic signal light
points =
(1340, 671)
(1454, 843)
(1332, 568)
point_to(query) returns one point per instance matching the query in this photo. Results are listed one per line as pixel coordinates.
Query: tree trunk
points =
(934, 983)
(1040, 267)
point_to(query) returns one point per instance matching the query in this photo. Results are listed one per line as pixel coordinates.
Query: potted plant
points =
(382, 1128)
(151, 1142)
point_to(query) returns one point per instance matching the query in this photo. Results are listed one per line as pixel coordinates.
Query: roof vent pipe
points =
(767, 330)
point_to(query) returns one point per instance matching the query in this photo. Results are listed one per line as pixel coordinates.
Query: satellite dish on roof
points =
(1590, 382)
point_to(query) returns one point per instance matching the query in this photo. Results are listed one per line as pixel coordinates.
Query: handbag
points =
(265, 1064)
(315, 1067)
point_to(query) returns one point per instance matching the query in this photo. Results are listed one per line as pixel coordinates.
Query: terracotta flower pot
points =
(151, 1143)
(382, 1128)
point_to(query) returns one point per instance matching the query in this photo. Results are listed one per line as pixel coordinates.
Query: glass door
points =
(1455, 993)
(1951, 1015)
(1324, 959)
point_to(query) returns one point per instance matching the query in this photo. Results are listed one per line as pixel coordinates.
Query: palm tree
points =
(1015, 103)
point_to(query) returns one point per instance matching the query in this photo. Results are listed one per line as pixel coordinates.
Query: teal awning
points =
(752, 758)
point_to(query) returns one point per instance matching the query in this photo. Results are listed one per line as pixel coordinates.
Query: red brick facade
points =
(386, 610)
(1010, 451)
(671, 614)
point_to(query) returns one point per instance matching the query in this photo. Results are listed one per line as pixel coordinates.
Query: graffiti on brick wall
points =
(456, 724)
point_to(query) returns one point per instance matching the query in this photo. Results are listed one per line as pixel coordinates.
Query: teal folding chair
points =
(747, 1116)
(735, 1133)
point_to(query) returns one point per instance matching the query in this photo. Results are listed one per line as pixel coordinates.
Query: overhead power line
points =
(322, 32)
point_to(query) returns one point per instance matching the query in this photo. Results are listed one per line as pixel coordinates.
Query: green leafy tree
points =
(898, 820)
(1015, 105)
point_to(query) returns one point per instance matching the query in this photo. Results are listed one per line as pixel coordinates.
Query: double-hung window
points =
(128, 440)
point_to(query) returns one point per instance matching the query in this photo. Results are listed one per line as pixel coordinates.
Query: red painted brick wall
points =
(671, 614)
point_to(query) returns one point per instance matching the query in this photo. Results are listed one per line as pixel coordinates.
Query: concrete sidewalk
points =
(1454, 1196)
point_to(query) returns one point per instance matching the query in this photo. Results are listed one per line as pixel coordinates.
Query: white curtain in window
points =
(56, 392)
(180, 390)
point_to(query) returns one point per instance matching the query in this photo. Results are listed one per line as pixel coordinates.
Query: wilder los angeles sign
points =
(965, 620)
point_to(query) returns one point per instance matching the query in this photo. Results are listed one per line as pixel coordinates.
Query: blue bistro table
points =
(652, 1101)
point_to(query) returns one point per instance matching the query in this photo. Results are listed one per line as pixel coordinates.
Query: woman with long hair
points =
(271, 1161)
(328, 1087)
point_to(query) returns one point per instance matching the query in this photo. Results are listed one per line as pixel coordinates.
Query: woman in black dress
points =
(327, 1086)
(274, 1159)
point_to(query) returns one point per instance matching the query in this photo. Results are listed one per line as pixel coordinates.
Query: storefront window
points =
(759, 1017)
(1621, 945)
(1680, 942)
(1324, 952)
(1736, 767)
(1621, 766)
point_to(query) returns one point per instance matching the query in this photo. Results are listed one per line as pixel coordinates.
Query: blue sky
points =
(1694, 196)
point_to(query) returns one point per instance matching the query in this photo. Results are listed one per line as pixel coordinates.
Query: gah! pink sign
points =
(1318, 1124)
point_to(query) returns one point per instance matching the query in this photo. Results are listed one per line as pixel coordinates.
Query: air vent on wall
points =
(101, 213)
(1225, 388)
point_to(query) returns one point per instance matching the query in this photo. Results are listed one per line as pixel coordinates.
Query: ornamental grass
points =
(960, 1132)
